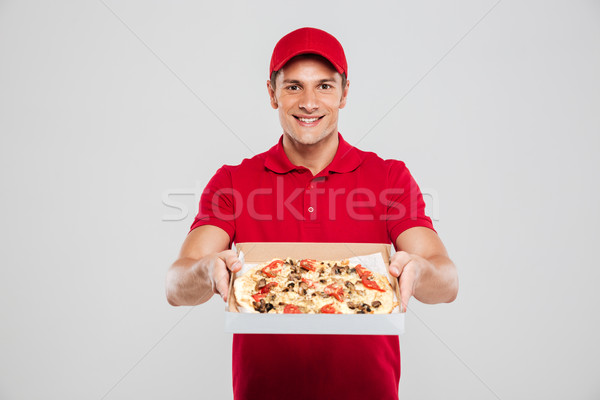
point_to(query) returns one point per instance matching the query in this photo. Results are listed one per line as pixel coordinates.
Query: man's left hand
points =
(409, 268)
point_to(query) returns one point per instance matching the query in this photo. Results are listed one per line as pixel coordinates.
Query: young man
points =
(312, 187)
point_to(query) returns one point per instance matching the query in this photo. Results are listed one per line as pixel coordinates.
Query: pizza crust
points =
(335, 284)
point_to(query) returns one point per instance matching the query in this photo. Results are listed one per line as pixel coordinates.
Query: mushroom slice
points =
(295, 276)
(261, 306)
(261, 284)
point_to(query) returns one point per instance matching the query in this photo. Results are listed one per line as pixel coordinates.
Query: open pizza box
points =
(339, 324)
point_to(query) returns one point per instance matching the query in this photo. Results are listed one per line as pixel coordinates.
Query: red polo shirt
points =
(359, 197)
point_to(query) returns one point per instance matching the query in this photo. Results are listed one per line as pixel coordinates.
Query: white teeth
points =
(308, 119)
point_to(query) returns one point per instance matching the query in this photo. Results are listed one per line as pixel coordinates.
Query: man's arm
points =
(202, 267)
(424, 268)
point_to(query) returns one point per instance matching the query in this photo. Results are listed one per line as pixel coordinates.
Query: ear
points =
(344, 95)
(272, 95)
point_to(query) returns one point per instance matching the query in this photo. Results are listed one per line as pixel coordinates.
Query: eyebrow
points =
(295, 81)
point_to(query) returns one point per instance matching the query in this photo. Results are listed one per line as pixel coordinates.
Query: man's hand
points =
(423, 268)
(218, 266)
(202, 268)
(407, 267)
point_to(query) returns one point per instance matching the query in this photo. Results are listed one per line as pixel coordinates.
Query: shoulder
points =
(232, 180)
(228, 175)
(246, 166)
(385, 173)
(373, 162)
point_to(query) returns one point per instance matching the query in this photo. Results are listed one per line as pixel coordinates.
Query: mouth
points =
(308, 121)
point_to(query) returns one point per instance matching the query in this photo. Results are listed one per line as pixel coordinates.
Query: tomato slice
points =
(362, 271)
(335, 291)
(308, 282)
(267, 287)
(371, 284)
(308, 264)
(258, 296)
(329, 309)
(291, 309)
(273, 268)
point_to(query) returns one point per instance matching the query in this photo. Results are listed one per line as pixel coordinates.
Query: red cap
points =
(308, 41)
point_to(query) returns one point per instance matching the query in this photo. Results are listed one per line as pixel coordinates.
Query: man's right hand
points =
(218, 266)
(202, 268)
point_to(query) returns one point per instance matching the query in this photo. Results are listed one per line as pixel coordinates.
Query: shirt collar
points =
(347, 158)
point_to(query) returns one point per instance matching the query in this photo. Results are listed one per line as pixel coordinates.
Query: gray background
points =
(108, 108)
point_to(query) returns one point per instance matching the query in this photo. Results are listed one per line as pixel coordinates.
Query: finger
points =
(231, 260)
(221, 279)
(407, 284)
(398, 262)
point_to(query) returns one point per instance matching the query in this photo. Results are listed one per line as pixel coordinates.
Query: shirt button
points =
(310, 209)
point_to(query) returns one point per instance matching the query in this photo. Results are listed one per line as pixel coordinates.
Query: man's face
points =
(308, 93)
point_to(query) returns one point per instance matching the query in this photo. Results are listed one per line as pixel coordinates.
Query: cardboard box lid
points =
(255, 252)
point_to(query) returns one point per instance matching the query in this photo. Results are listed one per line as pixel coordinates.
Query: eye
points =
(293, 87)
(325, 86)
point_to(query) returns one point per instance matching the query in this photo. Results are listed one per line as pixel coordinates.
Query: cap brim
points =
(307, 51)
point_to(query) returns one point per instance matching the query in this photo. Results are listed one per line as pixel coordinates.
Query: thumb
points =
(231, 259)
(220, 278)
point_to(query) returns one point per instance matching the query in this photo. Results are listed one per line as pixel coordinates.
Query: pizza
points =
(291, 286)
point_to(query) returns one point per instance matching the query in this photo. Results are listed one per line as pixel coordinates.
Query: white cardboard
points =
(317, 324)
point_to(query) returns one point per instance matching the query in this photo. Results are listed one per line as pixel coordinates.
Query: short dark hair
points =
(274, 73)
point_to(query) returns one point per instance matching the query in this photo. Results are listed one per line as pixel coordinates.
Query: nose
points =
(309, 101)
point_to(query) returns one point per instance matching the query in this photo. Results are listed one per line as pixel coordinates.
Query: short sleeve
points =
(217, 205)
(405, 204)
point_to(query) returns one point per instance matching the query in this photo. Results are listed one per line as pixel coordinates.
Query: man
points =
(312, 187)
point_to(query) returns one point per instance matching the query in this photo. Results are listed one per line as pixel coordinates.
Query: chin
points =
(308, 139)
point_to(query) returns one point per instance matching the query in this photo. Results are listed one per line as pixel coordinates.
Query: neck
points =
(314, 157)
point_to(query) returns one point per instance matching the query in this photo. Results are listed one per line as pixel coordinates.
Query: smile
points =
(308, 121)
